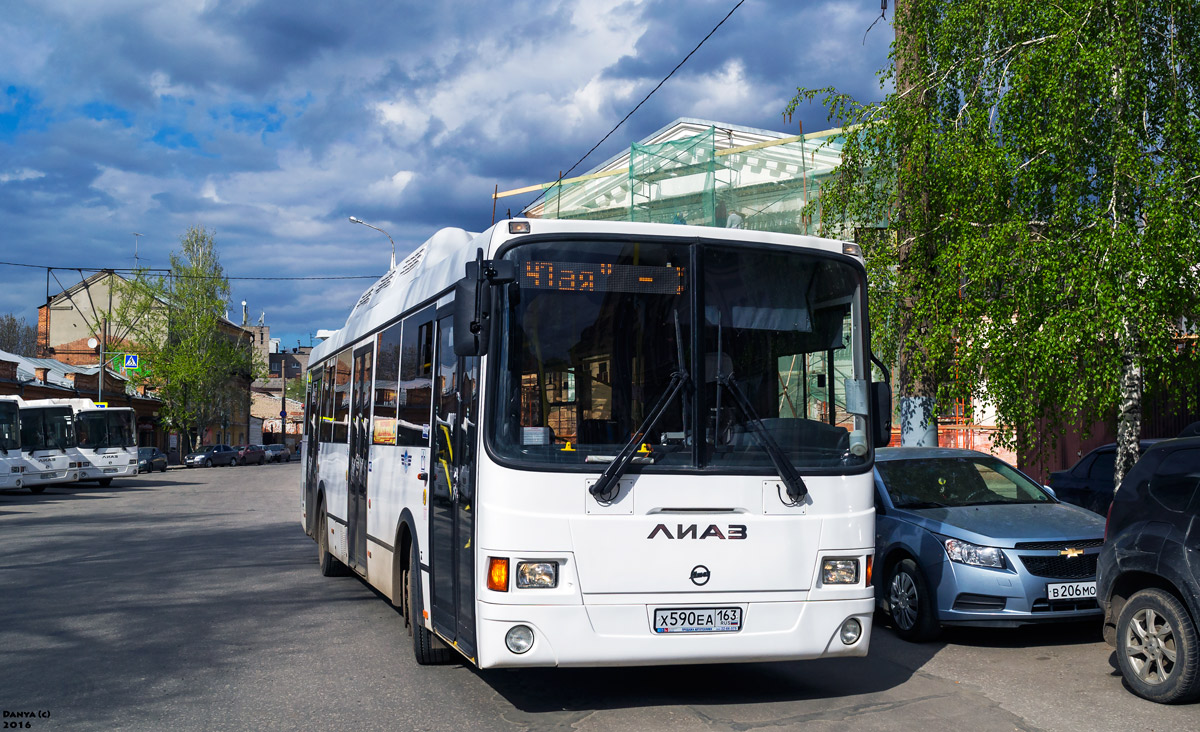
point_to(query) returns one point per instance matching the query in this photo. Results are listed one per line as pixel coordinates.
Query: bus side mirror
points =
(473, 303)
(881, 413)
(470, 324)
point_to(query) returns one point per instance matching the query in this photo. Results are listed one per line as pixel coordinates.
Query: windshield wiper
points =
(796, 489)
(607, 486)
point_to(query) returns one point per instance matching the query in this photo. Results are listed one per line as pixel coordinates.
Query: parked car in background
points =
(278, 453)
(964, 538)
(1089, 482)
(1149, 573)
(210, 455)
(247, 454)
(151, 459)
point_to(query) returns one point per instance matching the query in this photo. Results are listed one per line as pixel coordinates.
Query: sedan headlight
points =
(965, 552)
(537, 575)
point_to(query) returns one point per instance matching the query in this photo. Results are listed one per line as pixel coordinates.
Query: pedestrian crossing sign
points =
(131, 361)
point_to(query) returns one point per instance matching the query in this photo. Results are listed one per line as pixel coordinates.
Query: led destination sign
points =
(589, 277)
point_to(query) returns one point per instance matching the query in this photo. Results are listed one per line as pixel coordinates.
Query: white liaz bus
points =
(48, 445)
(106, 443)
(12, 461)
(607, 444)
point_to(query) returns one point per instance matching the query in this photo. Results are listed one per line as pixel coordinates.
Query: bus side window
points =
(387, 375)
(414, 391)
(341, 397)
(326, 413)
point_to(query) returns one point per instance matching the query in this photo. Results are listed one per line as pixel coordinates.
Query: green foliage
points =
(196, 362)
(295, 389)
(1035, 177)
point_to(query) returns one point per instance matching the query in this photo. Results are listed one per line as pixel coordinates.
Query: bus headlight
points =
(519, 638)
(839, 572)
(537, 575)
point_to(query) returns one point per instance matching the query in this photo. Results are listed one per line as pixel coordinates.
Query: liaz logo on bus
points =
(692, 531)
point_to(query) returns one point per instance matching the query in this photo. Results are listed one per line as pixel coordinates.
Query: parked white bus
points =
(48, 445)
(609, 444)
(106, 443)
(12, 462)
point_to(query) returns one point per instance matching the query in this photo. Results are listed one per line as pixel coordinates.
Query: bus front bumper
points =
(623, 635)
(98, 472)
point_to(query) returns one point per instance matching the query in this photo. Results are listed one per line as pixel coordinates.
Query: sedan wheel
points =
(910, 603)
(1157, 648)
(208, 463)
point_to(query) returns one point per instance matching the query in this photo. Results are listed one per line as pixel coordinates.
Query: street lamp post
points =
(355, 220)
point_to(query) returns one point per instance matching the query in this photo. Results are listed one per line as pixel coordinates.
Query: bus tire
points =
(329, 564)
(427, 648)
(36, 488)
(105, 482)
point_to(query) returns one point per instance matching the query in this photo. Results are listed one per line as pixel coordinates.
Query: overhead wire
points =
(539, 196)
(185, 276)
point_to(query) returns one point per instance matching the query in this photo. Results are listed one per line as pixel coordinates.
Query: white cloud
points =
(21, 174)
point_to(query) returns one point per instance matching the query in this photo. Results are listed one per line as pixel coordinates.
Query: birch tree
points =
(1052, 263)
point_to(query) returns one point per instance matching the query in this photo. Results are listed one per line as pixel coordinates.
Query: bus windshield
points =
(47, 428)
(593, 332)
(105, 428)
(10, 438)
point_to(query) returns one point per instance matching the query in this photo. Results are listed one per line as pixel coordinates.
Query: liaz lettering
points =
(692, 531)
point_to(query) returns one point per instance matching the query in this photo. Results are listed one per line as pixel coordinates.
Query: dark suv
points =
(1148, 580)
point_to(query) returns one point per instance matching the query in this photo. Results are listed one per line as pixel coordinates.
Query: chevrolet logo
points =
(1071, 553)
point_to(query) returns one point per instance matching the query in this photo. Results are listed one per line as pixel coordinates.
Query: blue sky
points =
(271, 122)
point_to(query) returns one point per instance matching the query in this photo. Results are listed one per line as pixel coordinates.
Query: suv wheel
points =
(1157, 648)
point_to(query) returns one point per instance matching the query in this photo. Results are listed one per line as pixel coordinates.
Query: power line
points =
(183, 276)
(639, 104)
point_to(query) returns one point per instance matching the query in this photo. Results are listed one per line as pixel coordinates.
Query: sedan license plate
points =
(698, 620)
(1071, 591)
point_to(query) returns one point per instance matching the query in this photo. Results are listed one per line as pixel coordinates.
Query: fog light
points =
(520, 638)
(839, 572)
(537, 574)
(851, 631)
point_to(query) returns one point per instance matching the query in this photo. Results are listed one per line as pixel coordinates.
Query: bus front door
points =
(452, 492)
(360, 444)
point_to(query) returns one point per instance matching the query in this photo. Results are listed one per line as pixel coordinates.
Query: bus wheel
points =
(105, 482)
(427, 648)
(329, 564)
(37, 488)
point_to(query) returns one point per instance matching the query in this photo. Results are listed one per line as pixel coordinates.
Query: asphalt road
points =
(191, 601)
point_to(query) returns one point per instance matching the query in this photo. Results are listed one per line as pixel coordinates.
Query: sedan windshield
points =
(960, 481)
(597, 336)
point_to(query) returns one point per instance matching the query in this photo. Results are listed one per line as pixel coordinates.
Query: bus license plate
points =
(110, 470)
(698, 620)
(1071, 591)
(49, 475)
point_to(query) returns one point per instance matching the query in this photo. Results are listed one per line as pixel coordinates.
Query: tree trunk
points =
(917, 388)
(1129, 411)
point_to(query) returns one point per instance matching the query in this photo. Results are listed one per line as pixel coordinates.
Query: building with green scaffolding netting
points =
(702, 173)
